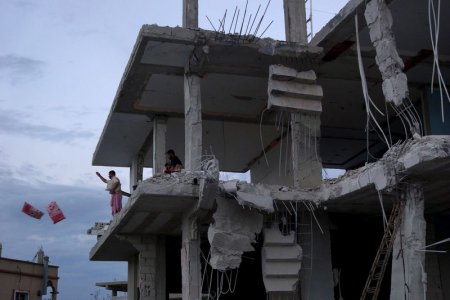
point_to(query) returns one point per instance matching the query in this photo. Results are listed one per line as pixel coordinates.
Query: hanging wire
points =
(367, 99)
(434, 20)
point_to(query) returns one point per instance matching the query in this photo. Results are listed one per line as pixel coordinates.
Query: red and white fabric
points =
(32, 211)
(55, 212)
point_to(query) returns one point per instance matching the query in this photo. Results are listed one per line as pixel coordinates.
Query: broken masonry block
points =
(293, 91)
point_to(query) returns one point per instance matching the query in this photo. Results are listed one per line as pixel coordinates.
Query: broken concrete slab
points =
(232, 233)
(290, 90)
(255, 196)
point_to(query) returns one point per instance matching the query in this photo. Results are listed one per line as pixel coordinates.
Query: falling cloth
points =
(116, 203)
(32, 211)
(55, 212)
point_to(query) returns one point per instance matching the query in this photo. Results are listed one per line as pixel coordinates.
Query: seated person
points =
(173, 163)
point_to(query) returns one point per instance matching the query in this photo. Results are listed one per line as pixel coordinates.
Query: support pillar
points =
(192, 122)
(136, 170)
(306, 164)
(159, 144)
(151, 266)
(295, 21)
(316, 283)
(190, 260)
(190, 13)
(133, 267)
(408, 265)
(316, 275)
(434, 283)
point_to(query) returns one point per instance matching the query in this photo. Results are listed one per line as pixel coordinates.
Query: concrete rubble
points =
(232, 233)
(403, 158)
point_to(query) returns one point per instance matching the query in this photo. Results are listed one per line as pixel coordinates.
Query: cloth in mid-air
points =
(55, 212)
(32, 211)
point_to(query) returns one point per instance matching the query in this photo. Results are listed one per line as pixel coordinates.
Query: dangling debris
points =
(32, 211)
(55, 212)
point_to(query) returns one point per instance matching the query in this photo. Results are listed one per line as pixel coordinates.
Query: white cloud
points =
(41, 238)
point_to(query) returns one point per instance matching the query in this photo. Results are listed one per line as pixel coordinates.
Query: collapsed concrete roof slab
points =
(425, 159)
(154, 207)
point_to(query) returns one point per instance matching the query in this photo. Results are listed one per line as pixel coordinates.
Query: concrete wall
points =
(24, 276)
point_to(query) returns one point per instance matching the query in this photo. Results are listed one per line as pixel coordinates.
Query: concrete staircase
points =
(281, 261)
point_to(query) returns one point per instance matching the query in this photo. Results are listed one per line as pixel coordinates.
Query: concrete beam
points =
(159, 144)
(295, 21)
(190, 13)
(192, 122)
(408, 279)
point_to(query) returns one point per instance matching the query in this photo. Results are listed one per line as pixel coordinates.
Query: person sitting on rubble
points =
(173, 163)
(115, 189)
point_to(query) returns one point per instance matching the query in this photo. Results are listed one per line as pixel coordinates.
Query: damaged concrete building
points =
(366, 94)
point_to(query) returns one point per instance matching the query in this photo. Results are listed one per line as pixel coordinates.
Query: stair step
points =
(293, 252)
(281, 276)
(274, 284)
(281, 268)
(273, 236)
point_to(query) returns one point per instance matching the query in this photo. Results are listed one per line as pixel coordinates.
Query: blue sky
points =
(60, 65)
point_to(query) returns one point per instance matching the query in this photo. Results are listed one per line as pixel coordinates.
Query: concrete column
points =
(159, 144)
(192, 122)
(151, 266)
(408, 265)
(316, 279)
(295, 21)
(190, 260)
(190, 13)
(136, 170)
(306, 164)
(133, 265)
(434, 284)
(305, 127)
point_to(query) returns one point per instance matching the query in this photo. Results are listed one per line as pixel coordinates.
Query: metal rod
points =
(265, 29)
(224, 19)
(248, 23)
(245, 12)
(211, 24)
(231, 25)
(237, 18)
(262, 17)
(250, 30)
(432, 251)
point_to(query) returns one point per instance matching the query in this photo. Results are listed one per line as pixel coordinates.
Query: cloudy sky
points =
(60, 65)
